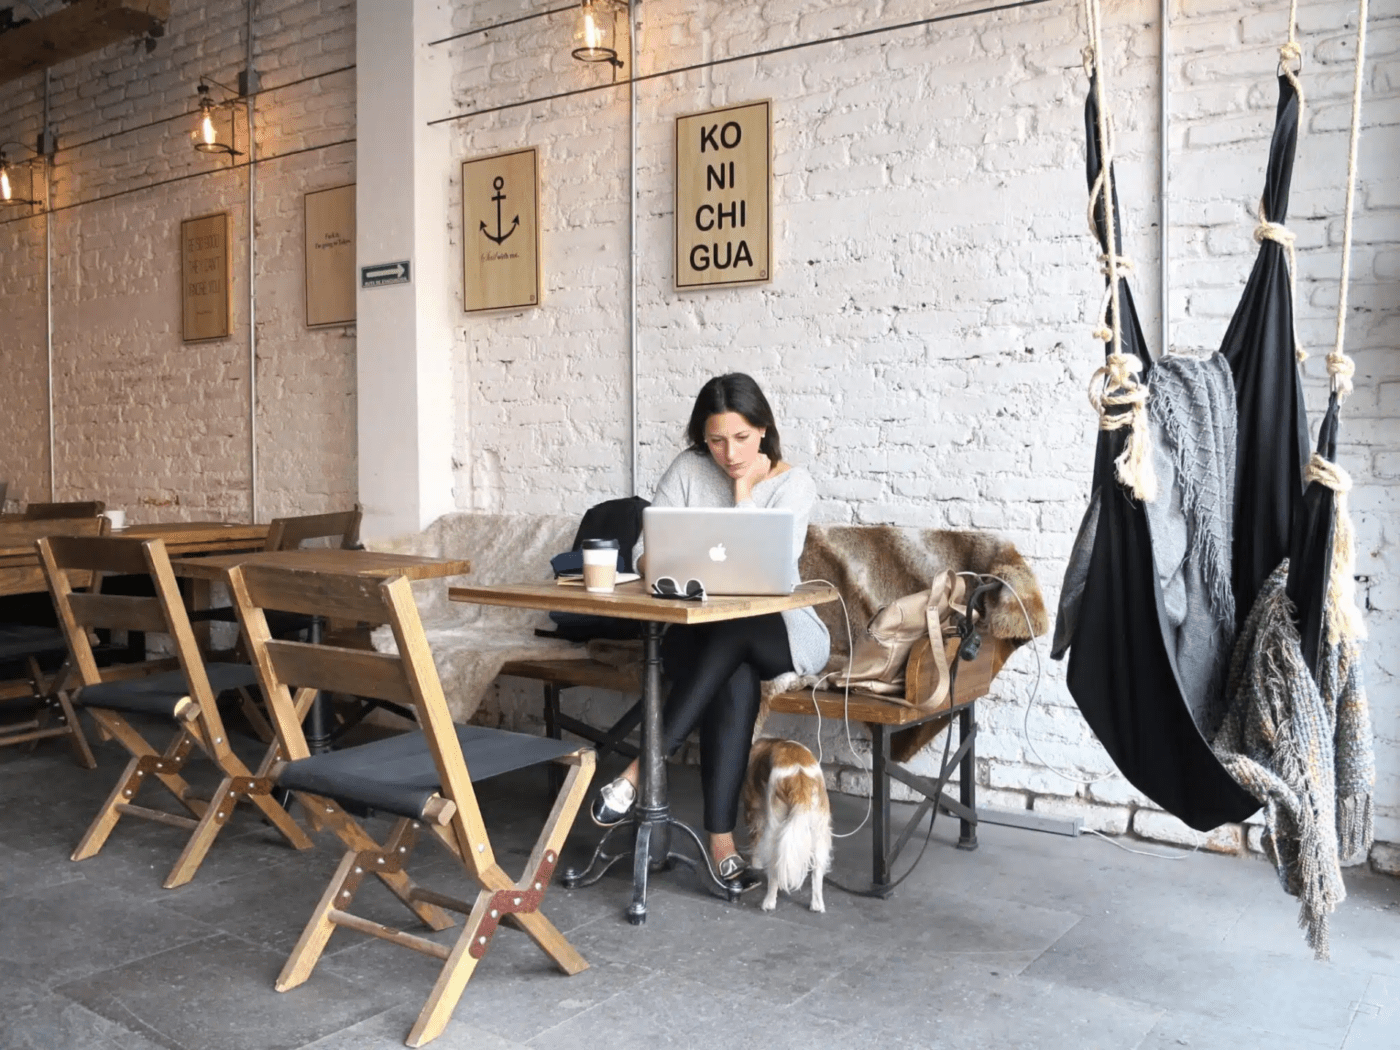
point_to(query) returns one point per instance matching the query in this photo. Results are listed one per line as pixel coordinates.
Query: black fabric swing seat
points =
(160, 694)
(397, 774)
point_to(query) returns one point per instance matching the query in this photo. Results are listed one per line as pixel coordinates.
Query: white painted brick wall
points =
(925, 340)
(143, 420)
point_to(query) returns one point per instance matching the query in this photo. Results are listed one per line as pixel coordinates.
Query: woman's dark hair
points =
(734, 392)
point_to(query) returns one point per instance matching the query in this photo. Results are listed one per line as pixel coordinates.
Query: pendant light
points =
(595, 32)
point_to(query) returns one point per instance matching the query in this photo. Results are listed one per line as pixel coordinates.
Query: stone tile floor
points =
(1032, 941)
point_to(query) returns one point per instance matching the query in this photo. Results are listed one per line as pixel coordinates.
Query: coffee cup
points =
(599, 566)
(117, 518)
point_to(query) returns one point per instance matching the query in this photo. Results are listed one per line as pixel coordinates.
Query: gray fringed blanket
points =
(1304, 750)
(1193, 420)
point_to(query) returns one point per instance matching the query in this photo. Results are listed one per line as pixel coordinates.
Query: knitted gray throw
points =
(1193, 419)
(1304, 749)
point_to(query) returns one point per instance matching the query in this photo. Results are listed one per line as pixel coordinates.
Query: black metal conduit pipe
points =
(801, 45)
(501, 25)
(190, 113)
(181, 178)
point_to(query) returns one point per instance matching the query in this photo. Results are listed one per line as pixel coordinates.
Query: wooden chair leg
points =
(117, 728)
(319, 928)
(452, 978)
(552, 942)
(125, 790)
(77, 738)
(215, 816)
(356, 838)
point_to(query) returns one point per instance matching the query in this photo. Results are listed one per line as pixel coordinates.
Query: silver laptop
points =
(733, 550)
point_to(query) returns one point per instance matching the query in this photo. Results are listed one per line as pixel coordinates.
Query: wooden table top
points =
(632, 602)
(326, 559)
(181, 537)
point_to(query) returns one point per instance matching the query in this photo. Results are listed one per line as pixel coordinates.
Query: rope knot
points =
(1341, 368)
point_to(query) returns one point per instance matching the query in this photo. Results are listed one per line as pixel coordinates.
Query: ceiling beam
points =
(77, 29)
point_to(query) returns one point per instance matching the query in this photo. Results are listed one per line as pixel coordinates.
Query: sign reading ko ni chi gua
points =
(501, 231)
(206, 259)
(724, 196)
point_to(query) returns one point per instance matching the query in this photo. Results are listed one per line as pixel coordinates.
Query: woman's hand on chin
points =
(759, 469)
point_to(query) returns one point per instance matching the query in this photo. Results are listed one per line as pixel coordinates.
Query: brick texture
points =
(925, 339)
(143, 420)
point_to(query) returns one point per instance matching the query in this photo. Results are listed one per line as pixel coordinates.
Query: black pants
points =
(714, 670)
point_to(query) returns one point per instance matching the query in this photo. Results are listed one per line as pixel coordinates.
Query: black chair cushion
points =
(18, 641)
(158, 694)
(397, 775)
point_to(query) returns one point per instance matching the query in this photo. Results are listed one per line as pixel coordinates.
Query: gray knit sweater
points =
(697, 481)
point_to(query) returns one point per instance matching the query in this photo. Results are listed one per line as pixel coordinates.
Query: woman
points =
(734, 460)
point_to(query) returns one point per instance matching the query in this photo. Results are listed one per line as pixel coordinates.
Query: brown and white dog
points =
(789, 818)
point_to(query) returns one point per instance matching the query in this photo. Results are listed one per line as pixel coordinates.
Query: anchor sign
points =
(498, 237)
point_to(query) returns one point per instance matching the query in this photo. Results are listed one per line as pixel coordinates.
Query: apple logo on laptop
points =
(717, 552)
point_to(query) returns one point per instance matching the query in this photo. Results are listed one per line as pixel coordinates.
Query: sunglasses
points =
(667, 587)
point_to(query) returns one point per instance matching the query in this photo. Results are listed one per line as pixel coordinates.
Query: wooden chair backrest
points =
(51, 511)
(408, 677)
(164, 613)
(285, 534)
(21, 579)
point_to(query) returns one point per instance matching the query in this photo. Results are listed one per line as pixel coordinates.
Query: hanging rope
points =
(1289, 53)
(1345, 619)
(1340, 367)
(1118, 396)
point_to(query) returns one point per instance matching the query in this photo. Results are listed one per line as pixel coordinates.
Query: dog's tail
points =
(801, 827)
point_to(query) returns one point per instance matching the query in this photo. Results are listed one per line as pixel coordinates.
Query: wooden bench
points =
(558, 675)
(882, 718)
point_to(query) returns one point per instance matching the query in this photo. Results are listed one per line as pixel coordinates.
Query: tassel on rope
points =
(1345, 620)
(1121, 401)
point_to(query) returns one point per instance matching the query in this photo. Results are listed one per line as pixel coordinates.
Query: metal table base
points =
(650, 827)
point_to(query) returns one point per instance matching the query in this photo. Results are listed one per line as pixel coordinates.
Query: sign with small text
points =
(377, 275)
(330, 256)
(206, 260)
(724, 194)
(501, 231)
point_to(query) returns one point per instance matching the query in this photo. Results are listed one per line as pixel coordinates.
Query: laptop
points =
(733, 550)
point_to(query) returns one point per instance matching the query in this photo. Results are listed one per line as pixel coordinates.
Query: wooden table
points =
(207, 570)
(652, 815)
(183, 537)
(325, 559)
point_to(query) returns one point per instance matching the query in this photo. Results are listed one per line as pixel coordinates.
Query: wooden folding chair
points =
(285, 534)
(184, 689)
(424, 777)
(25, 643)
(55, 511)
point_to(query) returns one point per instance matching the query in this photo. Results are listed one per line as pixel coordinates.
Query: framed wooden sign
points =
(330, 256)
(501, 231)
(724, 196)
(206, 261)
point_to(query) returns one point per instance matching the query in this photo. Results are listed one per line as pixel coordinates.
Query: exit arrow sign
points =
(384, 273)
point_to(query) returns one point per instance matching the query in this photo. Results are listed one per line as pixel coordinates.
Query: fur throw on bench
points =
(471, 643)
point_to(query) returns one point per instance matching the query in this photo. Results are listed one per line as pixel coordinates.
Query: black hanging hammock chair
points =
(1122, 670)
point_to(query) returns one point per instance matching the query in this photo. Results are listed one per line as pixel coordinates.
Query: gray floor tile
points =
(21, 871)
(217, 994)
(1375, 1021)
(34, 1018)
(57, 933)
(979, 1001)
(386, 1031)
(1181, 1029)
(669, 1011)
(1286, 994)
(515, 993)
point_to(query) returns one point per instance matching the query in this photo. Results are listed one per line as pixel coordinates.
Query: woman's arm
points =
(670, 492)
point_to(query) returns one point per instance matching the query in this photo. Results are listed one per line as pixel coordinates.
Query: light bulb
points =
(207, 129)
(5, 192)
(592, 35)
